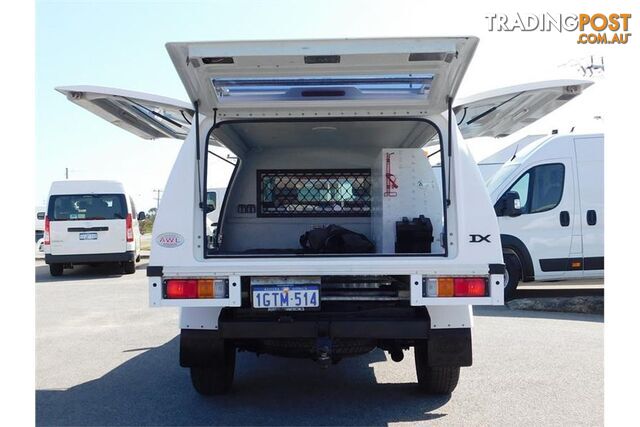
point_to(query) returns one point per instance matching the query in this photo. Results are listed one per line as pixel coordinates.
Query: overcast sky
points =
(122, 45)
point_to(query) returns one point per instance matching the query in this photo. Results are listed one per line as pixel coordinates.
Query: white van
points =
(334, 236)
(549, 199)
(91, 222)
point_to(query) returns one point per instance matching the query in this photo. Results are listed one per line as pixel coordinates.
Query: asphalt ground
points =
(104, 358)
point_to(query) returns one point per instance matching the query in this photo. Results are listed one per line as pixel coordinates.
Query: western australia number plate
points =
(286, 297)
(88, 236)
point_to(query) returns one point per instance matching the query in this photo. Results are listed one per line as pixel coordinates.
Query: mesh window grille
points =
(329, 192)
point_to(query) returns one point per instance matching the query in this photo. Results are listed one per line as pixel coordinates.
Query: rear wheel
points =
(512, 274)
(434, 379)
(56, 269)
(217, 378)
(129, 267)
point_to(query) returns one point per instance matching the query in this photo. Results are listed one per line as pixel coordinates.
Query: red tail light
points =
(129, 228)
(181, 289)
(469, 286)
(47, 231)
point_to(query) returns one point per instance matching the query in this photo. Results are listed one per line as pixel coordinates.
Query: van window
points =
(40, 215)
(540, 188)
(522, 187)
(314, 192)
(547, 187)
(87, 206)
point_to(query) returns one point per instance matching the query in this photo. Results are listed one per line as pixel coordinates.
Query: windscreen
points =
(87, 207)
(498, 178)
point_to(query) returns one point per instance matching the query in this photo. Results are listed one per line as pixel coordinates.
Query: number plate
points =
(88, 236)
(286, 297)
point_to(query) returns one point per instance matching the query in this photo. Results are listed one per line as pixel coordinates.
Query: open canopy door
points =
(147, 116)
(501, 112)
(272, 78)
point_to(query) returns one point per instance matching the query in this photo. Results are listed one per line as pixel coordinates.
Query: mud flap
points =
(449, 347)
(200, 348)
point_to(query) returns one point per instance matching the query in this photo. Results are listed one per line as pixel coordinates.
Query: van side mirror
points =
(211, 201)
(141, 216)
(509, 204)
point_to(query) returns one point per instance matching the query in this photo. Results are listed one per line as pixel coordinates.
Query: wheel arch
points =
(511, 244)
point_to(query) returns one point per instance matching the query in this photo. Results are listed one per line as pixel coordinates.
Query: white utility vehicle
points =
(549, 199)
(334, 236)
(90, 222)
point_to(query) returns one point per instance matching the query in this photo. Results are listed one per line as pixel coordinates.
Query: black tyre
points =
(217, 378)
(56, 269)
(434, 379)
(129, 267)
(512, 276)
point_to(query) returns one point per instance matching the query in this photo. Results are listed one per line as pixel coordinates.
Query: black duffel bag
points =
(334, 239)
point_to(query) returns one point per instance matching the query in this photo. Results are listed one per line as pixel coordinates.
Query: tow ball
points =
(323, 350)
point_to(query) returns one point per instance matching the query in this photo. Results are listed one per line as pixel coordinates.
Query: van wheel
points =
(56, 269)
(512, 275)
(434, 379)
(129, 267)
(215, 379)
